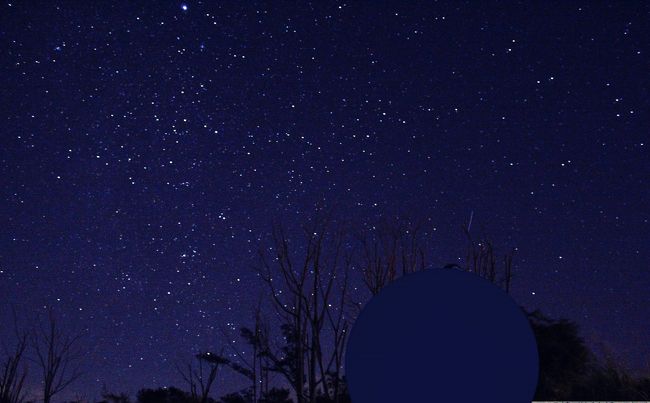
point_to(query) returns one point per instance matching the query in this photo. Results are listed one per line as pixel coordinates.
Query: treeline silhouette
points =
(317, 279)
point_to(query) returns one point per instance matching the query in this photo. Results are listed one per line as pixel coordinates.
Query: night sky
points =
(147, 148)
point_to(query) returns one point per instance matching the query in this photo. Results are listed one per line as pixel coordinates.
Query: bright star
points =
(184, 7)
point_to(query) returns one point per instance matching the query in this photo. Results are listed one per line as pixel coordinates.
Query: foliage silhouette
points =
(166, 395)
(276, 395)
(115, 398)
(570, 371)
(243, 396)
(109, 397)
(563, 357)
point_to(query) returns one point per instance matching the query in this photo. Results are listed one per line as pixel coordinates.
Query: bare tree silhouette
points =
(309, 296)
(58, 356)
(257, 367)
(200, 378)
(389, 250)
(12, 378)
(482, 259)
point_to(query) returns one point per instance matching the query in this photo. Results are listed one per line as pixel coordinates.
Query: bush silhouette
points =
(164, 395)
(570, 371)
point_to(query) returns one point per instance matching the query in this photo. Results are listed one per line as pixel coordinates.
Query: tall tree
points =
(309, 295)
(256, 366)
(58, 356)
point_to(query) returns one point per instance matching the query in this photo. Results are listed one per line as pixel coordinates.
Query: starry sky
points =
(146, 149)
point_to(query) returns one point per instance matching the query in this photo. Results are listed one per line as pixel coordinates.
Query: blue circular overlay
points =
(442, 335)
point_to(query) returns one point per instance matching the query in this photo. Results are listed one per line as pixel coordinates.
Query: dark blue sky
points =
(146, 149)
